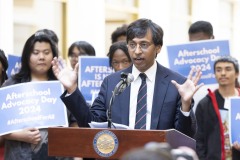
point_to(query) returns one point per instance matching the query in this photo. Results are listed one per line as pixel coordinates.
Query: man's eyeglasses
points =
(143, 46)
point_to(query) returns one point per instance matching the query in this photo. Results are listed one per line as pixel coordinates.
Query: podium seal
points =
(105, 143)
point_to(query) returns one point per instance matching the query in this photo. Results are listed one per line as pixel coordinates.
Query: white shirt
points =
(150, 80)
(227, 102)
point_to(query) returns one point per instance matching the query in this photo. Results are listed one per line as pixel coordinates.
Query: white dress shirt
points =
(151, 74)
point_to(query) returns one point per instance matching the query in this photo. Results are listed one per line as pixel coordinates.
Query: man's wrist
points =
(70, 90)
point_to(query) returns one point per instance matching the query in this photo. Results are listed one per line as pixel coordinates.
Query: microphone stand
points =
(116, 91)
(110, 111)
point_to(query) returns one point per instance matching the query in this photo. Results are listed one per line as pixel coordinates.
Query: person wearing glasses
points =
(79, 48)
(119, 57)
(169, 95)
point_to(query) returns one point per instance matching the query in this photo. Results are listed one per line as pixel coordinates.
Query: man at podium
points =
(166, 96)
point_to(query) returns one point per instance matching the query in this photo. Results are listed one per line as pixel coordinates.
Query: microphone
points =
(126, 79)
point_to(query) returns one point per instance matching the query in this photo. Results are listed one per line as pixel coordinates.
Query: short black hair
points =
(140, 27)
(120, 31)
(229, 59)
(201, 26)
(115, 46)
(145, 153)
(82, 45)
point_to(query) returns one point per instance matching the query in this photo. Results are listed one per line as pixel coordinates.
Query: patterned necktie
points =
(141, 111)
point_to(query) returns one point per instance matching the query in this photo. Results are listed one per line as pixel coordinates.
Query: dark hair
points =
(115, 46)
(232, 60)
(120, 31)
(201, 26)
(145, 154)
(4, 62)
(24, 75)
(140, 27)
(82, 45)
(51, 34)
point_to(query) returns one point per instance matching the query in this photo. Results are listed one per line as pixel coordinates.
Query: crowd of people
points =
(167, 103)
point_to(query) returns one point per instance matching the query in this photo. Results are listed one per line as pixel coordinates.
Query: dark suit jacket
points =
(166, 112)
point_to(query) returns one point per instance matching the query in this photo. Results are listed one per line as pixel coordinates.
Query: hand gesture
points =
(189, 88)
(66, 76)
(29, 135)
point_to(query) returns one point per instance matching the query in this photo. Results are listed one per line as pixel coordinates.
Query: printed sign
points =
(199, 54)
(92, 71)
(14, 64)
(32, 104)
(235, 120)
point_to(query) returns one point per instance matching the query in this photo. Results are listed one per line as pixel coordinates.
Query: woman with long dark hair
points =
(37, 54)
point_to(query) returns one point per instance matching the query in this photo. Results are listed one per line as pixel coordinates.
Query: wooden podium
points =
(78, 142)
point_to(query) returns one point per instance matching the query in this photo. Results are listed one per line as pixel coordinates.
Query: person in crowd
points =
(3, 77)
(160, 151)
(50, 33)
(144, 154)
(200, 30)
(119, 57)
(167, 104)
(119, 34)
(210, 136)
(3, 67)
(37, 54)
(79, 48)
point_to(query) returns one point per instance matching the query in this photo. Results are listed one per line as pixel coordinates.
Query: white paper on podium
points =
(105, 125)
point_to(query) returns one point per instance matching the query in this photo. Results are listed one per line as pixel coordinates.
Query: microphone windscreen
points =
(130, 78)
